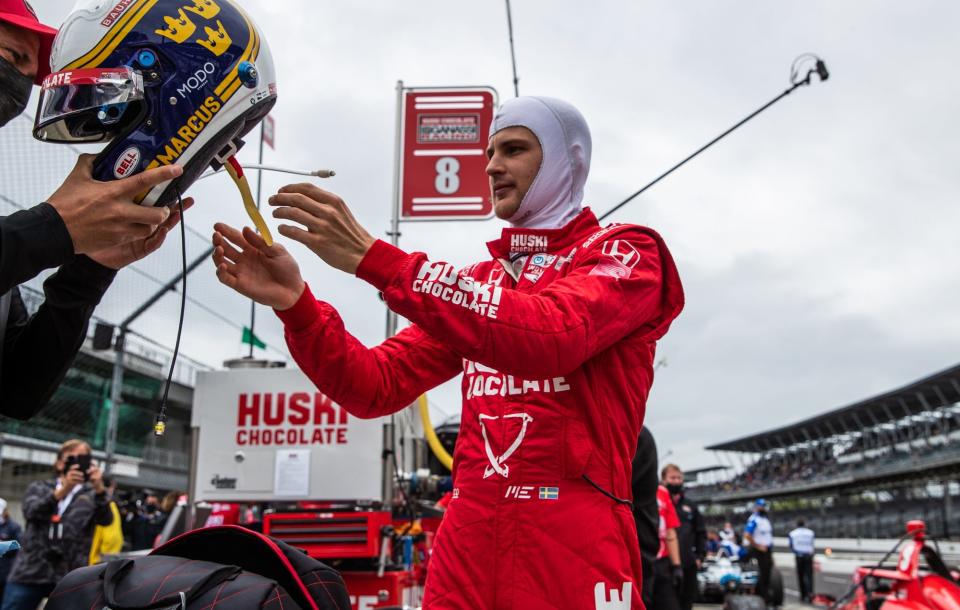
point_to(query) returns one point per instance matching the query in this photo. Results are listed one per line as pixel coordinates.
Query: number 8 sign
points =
(443, 153)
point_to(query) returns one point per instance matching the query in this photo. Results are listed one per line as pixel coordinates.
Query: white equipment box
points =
(268, 434)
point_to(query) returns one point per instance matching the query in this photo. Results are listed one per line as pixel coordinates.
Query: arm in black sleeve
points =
(699, 534)
(39, 350)
(103, 515)
(31, 241)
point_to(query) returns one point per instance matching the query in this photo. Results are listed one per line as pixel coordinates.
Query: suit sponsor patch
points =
(618, 259)
(528, 243)
(441, 280)
(619, 599)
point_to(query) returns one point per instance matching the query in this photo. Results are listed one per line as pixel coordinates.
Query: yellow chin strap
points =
(236, 172)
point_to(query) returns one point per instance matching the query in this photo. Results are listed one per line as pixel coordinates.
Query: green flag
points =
(251, 339)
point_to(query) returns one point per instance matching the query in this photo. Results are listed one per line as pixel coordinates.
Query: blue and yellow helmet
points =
(161, 81)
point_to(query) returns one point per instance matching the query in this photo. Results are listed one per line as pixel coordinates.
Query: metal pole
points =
(388, 471)
(513, 56)
(116, 384)
(192, 479)
(253, 311)
(394, 232)
(947, 509)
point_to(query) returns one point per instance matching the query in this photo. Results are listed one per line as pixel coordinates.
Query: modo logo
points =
(197, 80)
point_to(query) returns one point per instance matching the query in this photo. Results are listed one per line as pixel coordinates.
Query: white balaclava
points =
(556, 193)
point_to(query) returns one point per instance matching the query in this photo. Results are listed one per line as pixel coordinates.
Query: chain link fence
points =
(30, 172)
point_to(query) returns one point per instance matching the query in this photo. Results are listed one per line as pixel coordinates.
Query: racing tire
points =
(744, 602)
(775, 590)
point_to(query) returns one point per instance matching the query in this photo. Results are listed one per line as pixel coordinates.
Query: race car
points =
(730, 577)
(906, 585)
(722, 575)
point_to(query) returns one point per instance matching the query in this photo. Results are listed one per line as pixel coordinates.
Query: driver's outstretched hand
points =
(323, 223)
(266, 274)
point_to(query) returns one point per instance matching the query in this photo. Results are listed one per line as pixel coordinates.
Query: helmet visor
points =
(87, 105)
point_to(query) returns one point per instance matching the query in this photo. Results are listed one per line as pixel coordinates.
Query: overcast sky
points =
(818, 245)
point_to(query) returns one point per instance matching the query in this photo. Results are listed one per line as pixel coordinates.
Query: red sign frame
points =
(443, 153)
(269, 131)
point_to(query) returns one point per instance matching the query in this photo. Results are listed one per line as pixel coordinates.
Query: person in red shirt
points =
(555, 335)
(668, 572)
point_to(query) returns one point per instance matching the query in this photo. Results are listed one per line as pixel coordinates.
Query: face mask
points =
(150, 508)
(675, 488)
(14, 91)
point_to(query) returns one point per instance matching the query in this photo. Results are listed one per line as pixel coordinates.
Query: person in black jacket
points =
(645, 511)
(692, 534)
(87, 228)
(61, 515)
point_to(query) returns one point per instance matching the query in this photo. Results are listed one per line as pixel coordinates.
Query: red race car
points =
(905, 586)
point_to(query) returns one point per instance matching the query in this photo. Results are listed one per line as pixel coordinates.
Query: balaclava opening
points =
(555, 196)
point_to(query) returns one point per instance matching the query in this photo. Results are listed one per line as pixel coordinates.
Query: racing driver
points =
(555, 336)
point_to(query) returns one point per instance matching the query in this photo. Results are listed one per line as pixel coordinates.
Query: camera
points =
(82, 461)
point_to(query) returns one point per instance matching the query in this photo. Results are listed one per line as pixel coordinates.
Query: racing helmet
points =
(161, 81)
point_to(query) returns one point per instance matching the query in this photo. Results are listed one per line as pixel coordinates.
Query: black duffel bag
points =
(228, 566)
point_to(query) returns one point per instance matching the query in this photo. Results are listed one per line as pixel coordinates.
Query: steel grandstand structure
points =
(857, 471)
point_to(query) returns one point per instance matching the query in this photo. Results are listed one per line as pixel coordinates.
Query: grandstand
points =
(858, 471)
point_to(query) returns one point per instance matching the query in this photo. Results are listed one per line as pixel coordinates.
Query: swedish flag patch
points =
(549, 493)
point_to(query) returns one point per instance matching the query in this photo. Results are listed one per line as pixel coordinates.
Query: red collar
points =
(529, 241)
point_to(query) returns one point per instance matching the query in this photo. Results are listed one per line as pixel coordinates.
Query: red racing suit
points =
(557, 365)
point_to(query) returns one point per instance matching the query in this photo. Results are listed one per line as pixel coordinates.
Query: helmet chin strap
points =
(236, 172)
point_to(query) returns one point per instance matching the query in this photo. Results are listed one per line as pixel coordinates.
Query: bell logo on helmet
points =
(128, 162)
(178, 30)
(217, 40)
(207, 9)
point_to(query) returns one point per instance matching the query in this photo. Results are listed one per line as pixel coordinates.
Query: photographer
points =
(60, 514)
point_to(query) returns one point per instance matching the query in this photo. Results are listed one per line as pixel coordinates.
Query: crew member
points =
(668, 572)
(802, 543)
(692, 534)
(646, 509)
(758, 535)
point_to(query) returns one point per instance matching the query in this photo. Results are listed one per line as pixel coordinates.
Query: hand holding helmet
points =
(162, 83)
(101, 215)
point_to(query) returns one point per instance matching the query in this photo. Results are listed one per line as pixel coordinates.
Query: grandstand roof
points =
(698, 471)
(938, 390)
